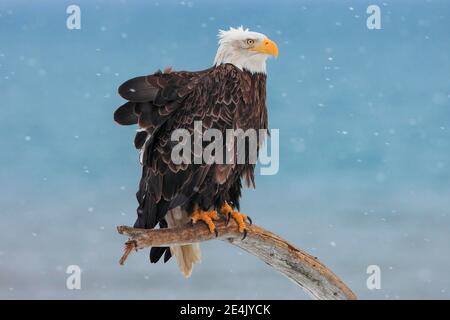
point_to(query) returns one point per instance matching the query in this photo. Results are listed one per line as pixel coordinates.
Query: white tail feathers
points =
(186, 255)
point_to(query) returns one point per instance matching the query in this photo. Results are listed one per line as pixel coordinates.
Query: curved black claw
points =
(222, 216)
(245, 234)
(228, 218)
(249, 220)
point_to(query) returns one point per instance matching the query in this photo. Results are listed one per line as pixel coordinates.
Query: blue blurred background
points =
(364, 127)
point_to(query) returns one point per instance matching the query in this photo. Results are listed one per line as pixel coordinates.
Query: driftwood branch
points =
(305, 270)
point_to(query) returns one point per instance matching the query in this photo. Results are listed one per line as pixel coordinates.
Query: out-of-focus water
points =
(364, 119)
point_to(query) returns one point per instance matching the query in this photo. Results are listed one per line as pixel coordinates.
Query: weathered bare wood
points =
(305, 270)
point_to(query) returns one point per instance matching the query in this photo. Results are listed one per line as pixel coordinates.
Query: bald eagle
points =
(229, 95)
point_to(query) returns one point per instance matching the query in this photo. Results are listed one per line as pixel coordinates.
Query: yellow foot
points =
(240, 218)
(207, 217)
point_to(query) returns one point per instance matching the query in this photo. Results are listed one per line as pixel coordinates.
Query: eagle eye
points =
(250, 42)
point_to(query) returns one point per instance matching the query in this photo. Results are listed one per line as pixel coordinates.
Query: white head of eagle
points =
(245, 49)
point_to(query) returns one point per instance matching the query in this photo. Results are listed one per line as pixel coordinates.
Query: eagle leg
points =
(208, 217)
(241, 219)
(225, 218)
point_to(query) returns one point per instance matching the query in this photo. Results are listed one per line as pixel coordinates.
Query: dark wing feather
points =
(125, 114)
(139, 89)
(167, 255)
(208, 102)
(140, 138)
(156, 253)
(153, 101)
(165, 102)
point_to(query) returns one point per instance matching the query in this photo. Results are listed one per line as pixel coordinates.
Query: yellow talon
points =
(207, 217)
(240, 218)
(226, 208)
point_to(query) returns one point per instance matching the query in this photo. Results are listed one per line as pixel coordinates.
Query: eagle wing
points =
(161, 103)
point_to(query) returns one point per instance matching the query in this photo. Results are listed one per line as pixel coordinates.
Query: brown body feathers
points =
(222, 97)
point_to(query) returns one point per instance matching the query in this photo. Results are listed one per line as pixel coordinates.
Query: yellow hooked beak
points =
(267, 46)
